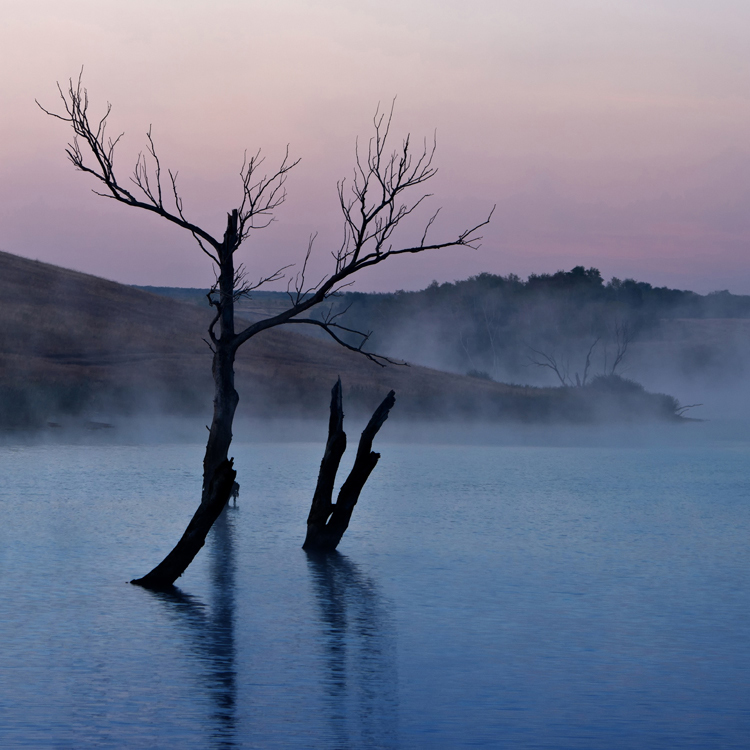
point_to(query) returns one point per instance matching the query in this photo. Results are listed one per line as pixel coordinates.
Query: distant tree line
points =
(568, 327)
(570, 323)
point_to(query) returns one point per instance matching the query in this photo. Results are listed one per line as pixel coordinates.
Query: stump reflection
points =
(210, 632)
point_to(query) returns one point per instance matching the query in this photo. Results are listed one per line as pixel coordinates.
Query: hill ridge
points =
(73, 343)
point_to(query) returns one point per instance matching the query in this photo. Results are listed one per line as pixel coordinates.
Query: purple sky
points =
(613, 134)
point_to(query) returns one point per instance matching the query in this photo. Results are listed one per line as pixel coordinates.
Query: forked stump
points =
(327, 521)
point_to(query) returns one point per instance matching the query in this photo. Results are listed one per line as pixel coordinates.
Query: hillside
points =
(75, 344)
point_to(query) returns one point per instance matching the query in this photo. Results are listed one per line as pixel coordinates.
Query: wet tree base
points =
(163, 576)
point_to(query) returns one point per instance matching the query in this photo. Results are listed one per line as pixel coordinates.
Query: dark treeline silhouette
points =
(569, 328)
(580, 285)
(571, 322)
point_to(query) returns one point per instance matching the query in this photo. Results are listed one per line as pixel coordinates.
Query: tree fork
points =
(327, 521)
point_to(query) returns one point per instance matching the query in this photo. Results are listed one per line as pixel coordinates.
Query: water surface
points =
(583, 594)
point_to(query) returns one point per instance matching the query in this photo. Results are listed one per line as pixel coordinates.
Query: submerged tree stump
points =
(176, 562)
(327, 521)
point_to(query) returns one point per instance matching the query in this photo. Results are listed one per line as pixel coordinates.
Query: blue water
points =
(579, 594)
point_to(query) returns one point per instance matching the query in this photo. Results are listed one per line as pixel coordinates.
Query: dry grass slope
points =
(72, 343)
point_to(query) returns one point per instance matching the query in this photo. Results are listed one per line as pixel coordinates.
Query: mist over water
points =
(577, 588)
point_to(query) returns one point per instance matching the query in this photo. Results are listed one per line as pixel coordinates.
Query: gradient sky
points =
(611, 133)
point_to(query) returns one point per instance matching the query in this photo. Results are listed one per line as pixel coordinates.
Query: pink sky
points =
(613, 134)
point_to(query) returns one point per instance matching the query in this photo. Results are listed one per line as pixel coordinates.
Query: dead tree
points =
(587, 365)
(623, 337)
(561, 368)
(327, 521)
(378, 199)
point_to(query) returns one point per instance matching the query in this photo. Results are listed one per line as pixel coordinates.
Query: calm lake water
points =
(581, 591)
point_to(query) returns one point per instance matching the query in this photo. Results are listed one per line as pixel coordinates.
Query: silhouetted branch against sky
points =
(385, 192)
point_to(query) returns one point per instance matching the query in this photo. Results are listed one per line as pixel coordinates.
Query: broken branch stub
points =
(327, 521)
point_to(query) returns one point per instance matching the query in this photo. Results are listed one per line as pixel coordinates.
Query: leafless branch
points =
(373, 208)
(260, 194)
(549, 361)
(101, 151)
(331, 328)
(465, 347)
(623, 336)
(243, 288)
(298, 284)
(587, 366)
(680, 410)
(385, 191)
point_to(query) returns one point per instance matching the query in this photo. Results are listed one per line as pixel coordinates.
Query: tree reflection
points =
(361, 681)
(210, 630)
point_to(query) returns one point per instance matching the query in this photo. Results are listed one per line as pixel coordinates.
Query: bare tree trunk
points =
(174, 564)
(327, 522)
(218, 471)
(218, 478)
(226, 399)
